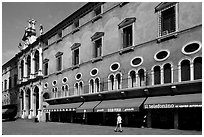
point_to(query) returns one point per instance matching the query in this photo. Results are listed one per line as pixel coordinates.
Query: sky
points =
(16, 14)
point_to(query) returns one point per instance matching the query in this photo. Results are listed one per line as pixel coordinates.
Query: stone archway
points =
(36, 100)
(28, 100)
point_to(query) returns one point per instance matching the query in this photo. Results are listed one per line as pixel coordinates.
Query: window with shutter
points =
(167, 18)
(76, 57)
(127, 37)
(59, 61)
(98, 45)
(127, 27)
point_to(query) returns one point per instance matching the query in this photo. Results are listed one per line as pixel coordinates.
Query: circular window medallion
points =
(136, 61)
(54, 82)
(115, 66)
(64, 80)
(45, 85)
(78, 76)
(161, 55)
(94, 72)
(191, 48)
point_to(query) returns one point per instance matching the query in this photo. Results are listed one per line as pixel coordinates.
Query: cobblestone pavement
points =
(24, 127)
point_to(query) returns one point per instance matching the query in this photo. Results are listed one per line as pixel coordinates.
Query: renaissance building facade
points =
(9, 83)
(29, 62)
(142, 60)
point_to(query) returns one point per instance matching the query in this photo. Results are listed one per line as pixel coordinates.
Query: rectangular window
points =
(98, 48)
(127, 36)
(59, 63)
(46, 69)
(168, 21)
(76, 57)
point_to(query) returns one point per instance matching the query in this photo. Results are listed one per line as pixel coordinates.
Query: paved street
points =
(22, 127)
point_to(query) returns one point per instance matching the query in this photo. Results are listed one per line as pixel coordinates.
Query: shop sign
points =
(156, 106)
(100, 110)
(129, 109)
(114, 109)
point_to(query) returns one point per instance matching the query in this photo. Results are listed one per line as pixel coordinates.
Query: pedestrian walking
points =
(119, 124)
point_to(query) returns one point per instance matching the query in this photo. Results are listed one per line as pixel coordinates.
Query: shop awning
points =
(63, 107)
(88, 106)
(177, 101)
(120, 105)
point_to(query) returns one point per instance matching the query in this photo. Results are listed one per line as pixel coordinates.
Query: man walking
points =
(119, 124)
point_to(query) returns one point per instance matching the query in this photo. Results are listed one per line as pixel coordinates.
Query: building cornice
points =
(88, 7)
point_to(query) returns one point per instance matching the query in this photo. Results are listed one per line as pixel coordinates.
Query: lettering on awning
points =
(100, 110)
(157, 106)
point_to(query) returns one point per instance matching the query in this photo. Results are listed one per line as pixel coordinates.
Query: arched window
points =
(76, 89)
(185, 70)
(28, 65)
(197, 68)
(91, 86)
(132, 79)
(80, 88)
(111, 78)
(167, 73)
(97, 82)
(157, 75)
(22, 68)
(118, 81)
(66, 90)
(28, 98)
(141, 77)
(63, 91)
(36, 56)
(53, 91)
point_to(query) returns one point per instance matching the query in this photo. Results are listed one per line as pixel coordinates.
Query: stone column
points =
(19, 72)
(32, 103)
(191, 71)
(129, 81)
(25, 111)
(152, 77)
(40, 61)
(115, 84)
(24, 70)
(20, 107)
(32, 65)
(179, 73)
(40, 103)
(162, 75)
